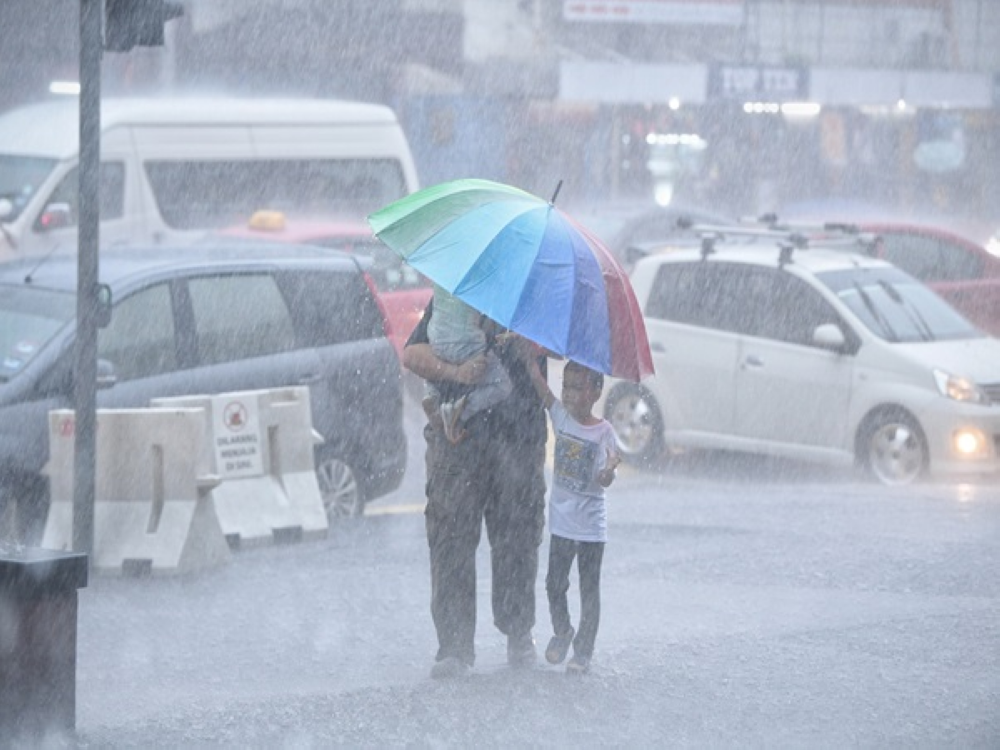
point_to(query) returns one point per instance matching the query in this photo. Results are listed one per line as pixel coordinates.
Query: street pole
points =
(88, 237)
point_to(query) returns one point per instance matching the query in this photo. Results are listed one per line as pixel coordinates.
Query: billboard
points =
(727, 12)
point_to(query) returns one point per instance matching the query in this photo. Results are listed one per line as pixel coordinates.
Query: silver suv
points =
(202, 321)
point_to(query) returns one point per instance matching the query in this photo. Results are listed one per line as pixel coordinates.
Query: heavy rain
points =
(268, 506)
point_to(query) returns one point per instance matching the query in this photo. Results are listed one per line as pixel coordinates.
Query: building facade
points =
(739, 105)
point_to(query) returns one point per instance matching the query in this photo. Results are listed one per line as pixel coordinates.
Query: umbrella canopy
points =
(525, 264)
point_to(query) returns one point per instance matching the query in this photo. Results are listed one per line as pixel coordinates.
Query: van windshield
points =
(219, 193)
(29, 319)
(20, 178)
(896, 307)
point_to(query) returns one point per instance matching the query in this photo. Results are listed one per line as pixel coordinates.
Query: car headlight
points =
(968, 442)
(959, 388)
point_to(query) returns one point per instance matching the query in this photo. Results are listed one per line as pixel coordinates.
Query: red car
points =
(963, 272)
(960, 270)
(400, 290)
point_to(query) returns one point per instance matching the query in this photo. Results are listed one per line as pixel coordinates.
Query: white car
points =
(809, 354)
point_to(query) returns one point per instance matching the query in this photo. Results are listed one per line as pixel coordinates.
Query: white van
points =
(173, 168)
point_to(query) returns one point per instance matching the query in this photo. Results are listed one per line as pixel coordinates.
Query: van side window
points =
(238, 317)
(139, 341)
(215, 194)
(331, 308)
(112, 192)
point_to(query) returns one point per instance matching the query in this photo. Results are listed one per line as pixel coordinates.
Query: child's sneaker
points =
(558, 647)
(451, 415)
(578, 665)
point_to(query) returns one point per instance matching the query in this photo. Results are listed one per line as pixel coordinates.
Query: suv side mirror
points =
(829, 336)
(106, 375)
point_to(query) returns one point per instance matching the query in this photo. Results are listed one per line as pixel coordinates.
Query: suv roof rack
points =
(772, 220)
(789, 236)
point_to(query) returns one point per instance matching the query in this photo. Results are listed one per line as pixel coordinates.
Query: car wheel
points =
(893, 448)
(339, 488)
(634, 414)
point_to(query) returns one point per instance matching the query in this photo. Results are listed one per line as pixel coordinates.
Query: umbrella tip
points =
(556, 193)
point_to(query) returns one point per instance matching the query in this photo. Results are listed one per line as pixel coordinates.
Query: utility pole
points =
(88, 240)
(130, 23)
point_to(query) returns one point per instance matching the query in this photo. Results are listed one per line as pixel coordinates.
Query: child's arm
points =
(530, 359)
(607, 475)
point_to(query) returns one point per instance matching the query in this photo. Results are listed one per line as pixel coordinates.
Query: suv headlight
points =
(958, 388)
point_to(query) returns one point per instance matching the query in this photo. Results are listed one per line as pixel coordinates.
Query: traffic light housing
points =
(137, 23)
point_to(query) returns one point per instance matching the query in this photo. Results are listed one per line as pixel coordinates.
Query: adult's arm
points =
(421, 360)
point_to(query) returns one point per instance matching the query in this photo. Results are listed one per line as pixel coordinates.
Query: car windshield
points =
(29, 318)
(896, 307)
(20, 177)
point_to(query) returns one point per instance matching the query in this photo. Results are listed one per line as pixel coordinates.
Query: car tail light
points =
(386, 325)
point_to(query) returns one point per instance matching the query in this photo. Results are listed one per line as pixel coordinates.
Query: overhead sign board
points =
(758, 83)
(727, 12)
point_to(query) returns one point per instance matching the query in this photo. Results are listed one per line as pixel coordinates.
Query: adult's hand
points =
(421, 360)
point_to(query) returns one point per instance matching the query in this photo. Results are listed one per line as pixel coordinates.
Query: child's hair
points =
(594, 378)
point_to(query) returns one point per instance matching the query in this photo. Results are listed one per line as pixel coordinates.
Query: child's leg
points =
(588, 562)
(561, 553)
(491, 390)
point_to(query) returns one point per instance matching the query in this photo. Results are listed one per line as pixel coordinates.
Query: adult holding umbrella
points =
(524, 264)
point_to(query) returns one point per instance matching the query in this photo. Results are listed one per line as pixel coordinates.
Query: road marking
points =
(394, 509)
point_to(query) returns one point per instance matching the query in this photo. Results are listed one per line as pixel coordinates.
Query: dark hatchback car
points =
(205, 321)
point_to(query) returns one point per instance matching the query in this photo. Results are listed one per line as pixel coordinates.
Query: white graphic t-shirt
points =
(576, 504)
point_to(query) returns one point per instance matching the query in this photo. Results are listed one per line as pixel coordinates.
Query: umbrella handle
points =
(556, 193)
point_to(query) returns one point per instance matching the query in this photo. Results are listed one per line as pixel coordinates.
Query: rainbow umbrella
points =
(526, 265)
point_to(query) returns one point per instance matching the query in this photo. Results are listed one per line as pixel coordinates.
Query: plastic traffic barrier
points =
(261, 448)
(153, 506)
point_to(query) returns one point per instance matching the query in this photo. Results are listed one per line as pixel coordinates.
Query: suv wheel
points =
(634, 414)
(893, 449)
(339, 489)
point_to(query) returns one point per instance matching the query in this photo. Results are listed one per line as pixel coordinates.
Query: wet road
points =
(744, 605)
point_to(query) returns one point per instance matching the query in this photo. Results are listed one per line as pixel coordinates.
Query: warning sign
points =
(236, 430)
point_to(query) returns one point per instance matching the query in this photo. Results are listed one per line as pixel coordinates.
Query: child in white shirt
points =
(586, 457)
